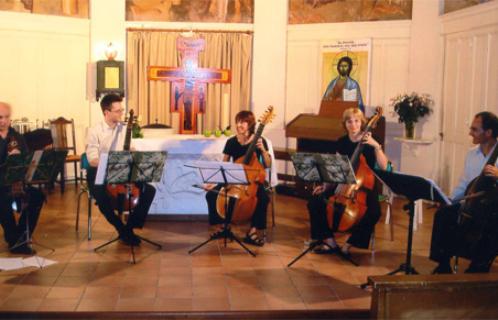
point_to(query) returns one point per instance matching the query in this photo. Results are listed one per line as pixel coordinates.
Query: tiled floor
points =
(213, 278)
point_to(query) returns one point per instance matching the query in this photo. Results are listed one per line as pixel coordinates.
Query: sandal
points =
(254, 239)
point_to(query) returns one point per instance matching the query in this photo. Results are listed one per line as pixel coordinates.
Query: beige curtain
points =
(151, 99)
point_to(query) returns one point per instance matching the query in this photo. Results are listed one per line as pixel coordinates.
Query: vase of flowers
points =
(410, 108)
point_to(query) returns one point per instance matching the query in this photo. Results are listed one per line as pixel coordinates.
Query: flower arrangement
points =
(410, 108)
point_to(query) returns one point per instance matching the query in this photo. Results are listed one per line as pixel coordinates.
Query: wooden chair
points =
(59, 129)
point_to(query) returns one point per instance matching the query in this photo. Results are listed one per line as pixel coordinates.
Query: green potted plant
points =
(410, 108)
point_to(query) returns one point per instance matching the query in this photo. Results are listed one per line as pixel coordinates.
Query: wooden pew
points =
(460, 296)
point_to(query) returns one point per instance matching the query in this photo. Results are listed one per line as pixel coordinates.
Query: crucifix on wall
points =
(189, 82)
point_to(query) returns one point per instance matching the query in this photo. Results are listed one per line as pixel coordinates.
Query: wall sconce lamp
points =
(110, 74)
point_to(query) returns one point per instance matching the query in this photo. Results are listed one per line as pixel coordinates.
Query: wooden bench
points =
(460, 296)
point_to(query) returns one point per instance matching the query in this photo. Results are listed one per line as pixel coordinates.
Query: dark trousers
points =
(447, 240)
(12, 231)
(360, 234)
(258, 219)
(136, 219)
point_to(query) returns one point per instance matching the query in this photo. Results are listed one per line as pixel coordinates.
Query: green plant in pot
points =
(410, 108)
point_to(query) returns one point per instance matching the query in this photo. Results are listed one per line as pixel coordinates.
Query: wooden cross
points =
(188, 82)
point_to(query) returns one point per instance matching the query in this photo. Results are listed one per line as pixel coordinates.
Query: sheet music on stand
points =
(413, 187)
(210, 171)
(45, 165)
(118, 167)
(14, 169)
(317, 167)
(225, 174)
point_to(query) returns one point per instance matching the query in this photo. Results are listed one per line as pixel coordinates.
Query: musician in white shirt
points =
(447, 237)
(109, 135)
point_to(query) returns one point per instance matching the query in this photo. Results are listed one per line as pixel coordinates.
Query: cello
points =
(124, 197)
(474, 215)
(347, 206)
(245, 195)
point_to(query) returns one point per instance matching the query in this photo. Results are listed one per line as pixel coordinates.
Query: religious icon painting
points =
(345, 71)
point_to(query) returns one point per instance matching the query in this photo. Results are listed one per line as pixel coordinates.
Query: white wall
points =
(104, 28)
(269, 64)
(470, 39)
(43, 67)
(425, 73)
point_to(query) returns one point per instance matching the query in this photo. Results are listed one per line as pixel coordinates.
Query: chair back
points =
(59, 130)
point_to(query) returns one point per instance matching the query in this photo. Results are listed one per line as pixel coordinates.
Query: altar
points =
(175, 193)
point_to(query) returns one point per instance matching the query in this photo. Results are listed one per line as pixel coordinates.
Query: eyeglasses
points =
(118, 111)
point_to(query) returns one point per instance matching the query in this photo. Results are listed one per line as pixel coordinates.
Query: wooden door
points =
(470, 86)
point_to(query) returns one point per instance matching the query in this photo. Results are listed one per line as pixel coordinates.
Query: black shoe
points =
(134, 239)
(124, 237)
(442, 268)
(478, 267)
(22, 249)
(324, 249)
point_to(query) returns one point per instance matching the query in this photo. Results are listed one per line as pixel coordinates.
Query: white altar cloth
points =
(175, 193)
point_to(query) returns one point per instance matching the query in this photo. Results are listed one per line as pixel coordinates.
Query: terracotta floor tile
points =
(175, 271)
(97, 304)
(24, 291)
(208, 279)
(65, 292)
(85, 307)
(173, 304)
(170, 280)
(210, 291)
(285, 302)
(5, 290)
(242, 302)
(63, 308)
(175, 292)
(281, 291)
(21, 304)
(137, 292)
(210, 304)
(39, 280)
(109, 281)
(135, 304)
(315, 291)
(102, 292)
(71, 282)
(69, 303)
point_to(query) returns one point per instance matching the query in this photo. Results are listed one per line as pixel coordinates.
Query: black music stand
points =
(413, 188)
(323, 168)
(125, 167)
(226, 174)
(34, 168)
